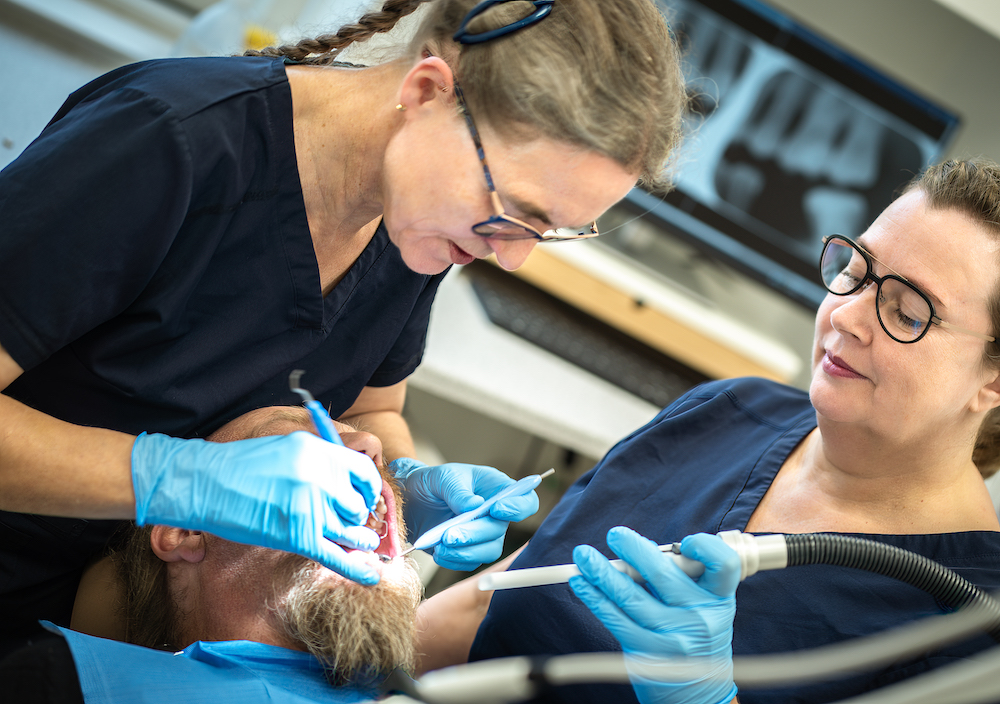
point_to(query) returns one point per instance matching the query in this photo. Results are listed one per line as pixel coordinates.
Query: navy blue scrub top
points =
(703, 465)
(157, 274)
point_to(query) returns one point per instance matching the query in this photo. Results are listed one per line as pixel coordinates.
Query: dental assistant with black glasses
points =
(892, 443)
(186, 232)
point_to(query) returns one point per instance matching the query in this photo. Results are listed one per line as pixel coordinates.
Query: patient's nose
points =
(367, 443)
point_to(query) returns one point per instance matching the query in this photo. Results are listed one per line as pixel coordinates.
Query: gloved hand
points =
(296, 493)
(435, 494)
(673, 616)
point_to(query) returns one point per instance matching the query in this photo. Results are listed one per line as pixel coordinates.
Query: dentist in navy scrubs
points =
(186, 232)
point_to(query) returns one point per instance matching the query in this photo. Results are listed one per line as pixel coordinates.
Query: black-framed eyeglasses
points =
(904, 311)
(501, 226)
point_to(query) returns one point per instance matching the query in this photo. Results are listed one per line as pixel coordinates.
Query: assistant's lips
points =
(835, 366)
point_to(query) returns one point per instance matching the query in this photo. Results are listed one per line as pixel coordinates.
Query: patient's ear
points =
(177, 544)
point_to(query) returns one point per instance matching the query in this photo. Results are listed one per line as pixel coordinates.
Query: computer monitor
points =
(794, 139)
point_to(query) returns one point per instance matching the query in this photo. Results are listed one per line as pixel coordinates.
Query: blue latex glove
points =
(435, 494)
(295, 493)
(672, 616)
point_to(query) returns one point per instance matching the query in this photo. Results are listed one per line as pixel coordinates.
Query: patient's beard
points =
(359, 633)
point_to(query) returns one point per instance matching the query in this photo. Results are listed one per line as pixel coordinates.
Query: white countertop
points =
(701, 316)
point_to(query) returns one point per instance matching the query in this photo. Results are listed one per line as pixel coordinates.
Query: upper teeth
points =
(376, 519)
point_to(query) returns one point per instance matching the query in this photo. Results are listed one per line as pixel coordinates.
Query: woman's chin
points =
(423, 264)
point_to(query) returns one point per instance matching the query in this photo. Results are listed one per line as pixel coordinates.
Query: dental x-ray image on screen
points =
(792, 139)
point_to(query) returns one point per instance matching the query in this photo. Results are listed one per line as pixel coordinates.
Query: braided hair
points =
(324, 49)
(602, 75)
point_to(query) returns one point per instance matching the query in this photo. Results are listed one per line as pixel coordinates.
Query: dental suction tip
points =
(293, 384)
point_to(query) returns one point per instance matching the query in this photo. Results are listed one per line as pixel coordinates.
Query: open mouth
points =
(383, 521)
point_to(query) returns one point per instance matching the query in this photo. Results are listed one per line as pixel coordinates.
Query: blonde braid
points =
(325, 48)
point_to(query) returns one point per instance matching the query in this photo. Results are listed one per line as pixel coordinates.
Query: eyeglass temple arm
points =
(937, 321)
(497, 205)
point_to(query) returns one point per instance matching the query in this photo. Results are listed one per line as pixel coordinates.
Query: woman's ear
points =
(177, 544)
(428, 80)
(988, 396)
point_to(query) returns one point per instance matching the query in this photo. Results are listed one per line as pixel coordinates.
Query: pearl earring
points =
(401, 107)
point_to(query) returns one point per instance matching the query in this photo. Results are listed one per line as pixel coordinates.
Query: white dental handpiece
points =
(757, 552)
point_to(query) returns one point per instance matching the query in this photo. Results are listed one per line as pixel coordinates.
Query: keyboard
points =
(557, 327)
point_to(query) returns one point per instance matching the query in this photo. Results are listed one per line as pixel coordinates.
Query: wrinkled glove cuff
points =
(142, 483)
(702, 689)
(732, 694)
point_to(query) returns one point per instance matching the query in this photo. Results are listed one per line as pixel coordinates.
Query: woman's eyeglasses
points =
(501, 226)
(904, 311)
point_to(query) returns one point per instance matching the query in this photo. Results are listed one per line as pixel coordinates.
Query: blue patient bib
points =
(241, 671)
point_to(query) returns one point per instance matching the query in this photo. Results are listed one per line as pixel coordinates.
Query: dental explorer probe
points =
(757, 552)
(436, 534)
(320, 418)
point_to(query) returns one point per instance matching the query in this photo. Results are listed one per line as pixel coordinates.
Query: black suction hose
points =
(950, 589)
(773, 551)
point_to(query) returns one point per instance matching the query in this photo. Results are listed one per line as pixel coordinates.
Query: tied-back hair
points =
(972, 187)
(324, 49)
(603, 75)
